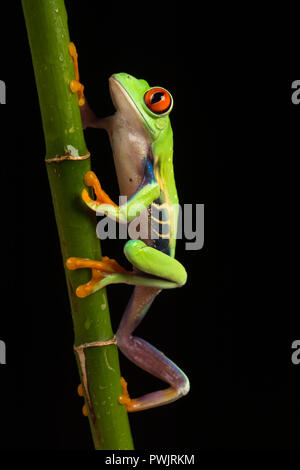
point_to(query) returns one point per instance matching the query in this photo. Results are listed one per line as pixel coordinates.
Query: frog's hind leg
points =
(152, 269)
(147, 357)
(163, 270)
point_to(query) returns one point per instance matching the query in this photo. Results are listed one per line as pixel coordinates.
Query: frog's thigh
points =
(154, 262)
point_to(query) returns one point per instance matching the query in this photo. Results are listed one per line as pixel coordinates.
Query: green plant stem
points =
(48, 34)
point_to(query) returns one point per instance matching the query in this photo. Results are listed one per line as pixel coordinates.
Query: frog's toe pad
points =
(125, 399)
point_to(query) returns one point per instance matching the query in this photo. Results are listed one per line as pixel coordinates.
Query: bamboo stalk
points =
(48, 34)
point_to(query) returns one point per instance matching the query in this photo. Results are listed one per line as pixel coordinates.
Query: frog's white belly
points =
(130, 149)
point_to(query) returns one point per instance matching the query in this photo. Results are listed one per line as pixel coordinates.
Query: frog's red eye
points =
(158, 100)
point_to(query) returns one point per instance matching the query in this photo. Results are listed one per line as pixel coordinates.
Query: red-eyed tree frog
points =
(142, 143)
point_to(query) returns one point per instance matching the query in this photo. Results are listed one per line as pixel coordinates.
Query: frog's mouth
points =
(124, 104)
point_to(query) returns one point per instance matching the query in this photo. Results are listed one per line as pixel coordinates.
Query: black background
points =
(231, 327)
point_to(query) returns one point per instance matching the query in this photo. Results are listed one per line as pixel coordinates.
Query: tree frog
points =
(142, 143)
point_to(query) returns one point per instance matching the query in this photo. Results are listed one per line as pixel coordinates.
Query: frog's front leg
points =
(88, 117)
(75, 85)
(147, 192)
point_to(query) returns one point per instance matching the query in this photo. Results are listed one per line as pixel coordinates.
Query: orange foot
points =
(75, 85)
(91, 179)
(100, 269)
(80, 393)
(125, 399)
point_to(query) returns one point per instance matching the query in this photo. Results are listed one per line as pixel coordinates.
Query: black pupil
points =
(158, 96)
